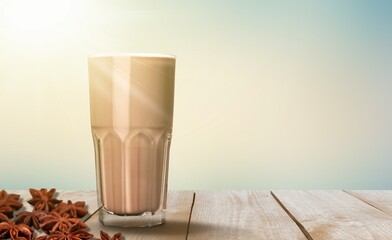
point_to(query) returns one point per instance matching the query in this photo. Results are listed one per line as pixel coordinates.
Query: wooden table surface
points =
(259, 215)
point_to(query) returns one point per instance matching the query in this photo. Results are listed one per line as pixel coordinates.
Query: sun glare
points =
(36, 18)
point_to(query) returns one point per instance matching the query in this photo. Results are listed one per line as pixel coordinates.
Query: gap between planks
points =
(25, 196)
(240, 215)
(349, 193)
(300, 226)
(303, 229)
(190, 215)
(307, 235)
(177, 221)
(275, 197)
(366, 201)
(364, 219)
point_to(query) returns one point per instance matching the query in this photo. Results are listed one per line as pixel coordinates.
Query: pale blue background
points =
(269, 94)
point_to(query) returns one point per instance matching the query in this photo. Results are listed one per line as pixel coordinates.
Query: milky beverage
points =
(131, 107)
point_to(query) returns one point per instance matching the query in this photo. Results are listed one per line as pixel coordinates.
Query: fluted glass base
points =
(132, 168)
(146, 219)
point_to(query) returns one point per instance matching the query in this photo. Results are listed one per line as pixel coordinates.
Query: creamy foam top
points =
(124, 54)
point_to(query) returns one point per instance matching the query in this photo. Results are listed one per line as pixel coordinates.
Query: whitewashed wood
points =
(336, 215)
(178, 210)
(381, 199)
(240, 215)
(24, 195)
(324, 214)
(90, 197)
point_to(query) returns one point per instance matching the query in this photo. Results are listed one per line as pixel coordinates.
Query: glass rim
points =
(129, 54)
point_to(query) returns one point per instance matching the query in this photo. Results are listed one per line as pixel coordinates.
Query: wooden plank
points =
(90, 197)
(179, 207)
(336, 215)
(376, 198)
(24, 195)
(240, 215)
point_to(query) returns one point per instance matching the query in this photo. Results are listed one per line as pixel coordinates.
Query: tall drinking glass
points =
(131, 109)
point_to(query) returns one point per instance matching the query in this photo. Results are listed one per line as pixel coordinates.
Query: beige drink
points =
(131, 106)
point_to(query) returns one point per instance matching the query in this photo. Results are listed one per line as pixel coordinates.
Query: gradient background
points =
(269, 94)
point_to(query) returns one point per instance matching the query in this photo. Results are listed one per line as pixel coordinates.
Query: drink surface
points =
(131, 107)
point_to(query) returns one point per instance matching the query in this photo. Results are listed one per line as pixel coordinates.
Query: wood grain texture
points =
(90, 197)
(360, 214)
(178, 210)
(380, 199)
(240, 215)
(336, 215)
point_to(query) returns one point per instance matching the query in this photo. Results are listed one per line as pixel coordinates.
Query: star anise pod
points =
(3, 217)
(55, 222)
(15, 231)
(73, 233)
(105, 236)
(74, 210)
(57, 235)
(43, 200)
(30, 218)
(7, 211)
(9, 203)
